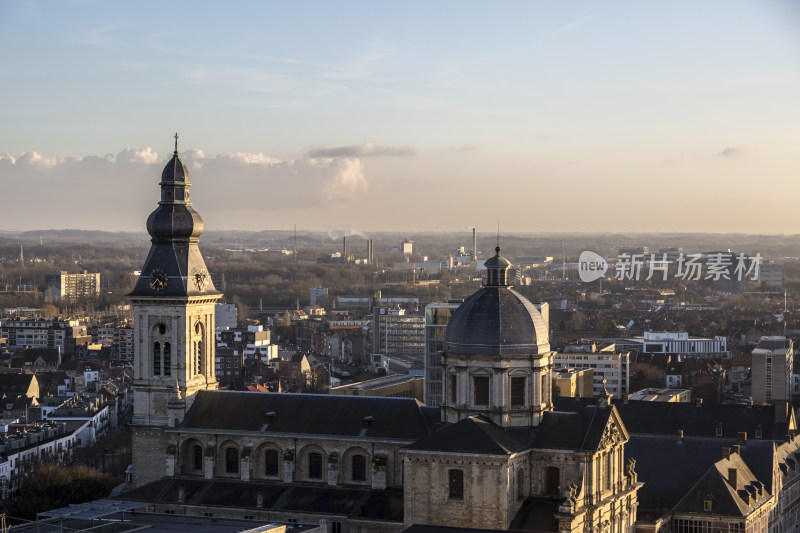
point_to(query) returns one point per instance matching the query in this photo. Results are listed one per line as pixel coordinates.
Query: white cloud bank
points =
(117, 191)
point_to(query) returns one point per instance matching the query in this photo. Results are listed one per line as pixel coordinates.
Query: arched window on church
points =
(231, 461)
(359, 468)
(167, 359)
(198, 457)
(552, 480)
(314, 465)
(156, 359)
(455, 484)
(271, 463)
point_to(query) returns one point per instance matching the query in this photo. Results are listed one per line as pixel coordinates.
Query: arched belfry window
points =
(156, 359)
(167, 359)
(199, 358)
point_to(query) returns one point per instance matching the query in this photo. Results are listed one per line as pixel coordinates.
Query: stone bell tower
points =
(173, 306)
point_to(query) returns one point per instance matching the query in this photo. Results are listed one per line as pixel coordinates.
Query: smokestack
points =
(344, 249)
(369, 252)
(474, 244)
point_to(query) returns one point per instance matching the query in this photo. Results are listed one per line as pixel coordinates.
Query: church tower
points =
(173, 307)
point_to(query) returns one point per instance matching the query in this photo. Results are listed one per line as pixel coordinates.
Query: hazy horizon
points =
(615, 117)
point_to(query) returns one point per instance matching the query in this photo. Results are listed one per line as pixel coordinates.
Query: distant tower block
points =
(408, 247)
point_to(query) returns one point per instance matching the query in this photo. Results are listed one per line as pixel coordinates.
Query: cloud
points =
(736, 151)
(368, 149)
(117, 190)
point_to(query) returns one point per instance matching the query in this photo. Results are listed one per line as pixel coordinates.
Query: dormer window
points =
(708, 505)
(719, 430)
(759, 432)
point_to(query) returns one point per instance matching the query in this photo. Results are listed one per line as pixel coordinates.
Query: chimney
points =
(698, 402)
(726, 453)
(741, 437)
(474, 245)
(626, 398)
(680, 434)
(732, 477)
(736, 449)
(344, 249)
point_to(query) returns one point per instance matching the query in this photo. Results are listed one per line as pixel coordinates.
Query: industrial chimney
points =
(474, 245)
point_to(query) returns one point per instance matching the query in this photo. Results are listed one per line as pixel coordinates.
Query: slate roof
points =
(316, 414)
(573, 431)
(670, 466)
(727, 499)
(48, 355)
(364, 503)
(496, 321)
(14, 383)
(663, 418)
(474, 434)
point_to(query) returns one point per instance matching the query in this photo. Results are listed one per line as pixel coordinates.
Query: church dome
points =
(497, 320)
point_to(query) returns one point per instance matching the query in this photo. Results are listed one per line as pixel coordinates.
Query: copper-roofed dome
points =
(497, 320)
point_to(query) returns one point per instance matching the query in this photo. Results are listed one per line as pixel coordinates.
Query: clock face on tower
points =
(158, 279)
(201, 279)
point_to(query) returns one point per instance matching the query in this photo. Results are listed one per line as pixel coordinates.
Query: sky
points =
(583, 116)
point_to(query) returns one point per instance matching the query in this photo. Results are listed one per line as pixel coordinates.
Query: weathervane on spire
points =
(176, 143)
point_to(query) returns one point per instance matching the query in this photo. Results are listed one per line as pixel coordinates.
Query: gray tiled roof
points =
(315, 414)
(474, 434)
(364, 503)
(666, 418)
(573, 431)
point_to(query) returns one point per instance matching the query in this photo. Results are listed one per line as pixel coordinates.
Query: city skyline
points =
(584, 118)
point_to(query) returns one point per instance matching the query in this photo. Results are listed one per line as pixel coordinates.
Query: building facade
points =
(437, 316)
(772, 367)
(612, 367)
(72, 288)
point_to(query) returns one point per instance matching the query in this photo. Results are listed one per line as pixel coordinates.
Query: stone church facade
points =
(495, 455)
